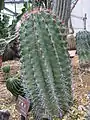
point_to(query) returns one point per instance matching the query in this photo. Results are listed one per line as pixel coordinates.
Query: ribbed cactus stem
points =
(46, 64)
(58, 53)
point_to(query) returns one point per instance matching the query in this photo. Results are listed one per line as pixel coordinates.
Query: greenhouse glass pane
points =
(14, 1)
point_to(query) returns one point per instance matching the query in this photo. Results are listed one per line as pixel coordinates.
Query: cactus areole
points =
(46, 68)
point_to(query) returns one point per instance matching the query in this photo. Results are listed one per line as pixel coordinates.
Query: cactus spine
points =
(46, 64)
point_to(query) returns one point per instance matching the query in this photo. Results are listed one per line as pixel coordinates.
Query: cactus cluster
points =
(2, 46)
(46, 65)
(83, 48)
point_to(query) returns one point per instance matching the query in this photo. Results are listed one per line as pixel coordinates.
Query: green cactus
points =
(45, 64)
(2, 46)
(13, 84)
(83, 47)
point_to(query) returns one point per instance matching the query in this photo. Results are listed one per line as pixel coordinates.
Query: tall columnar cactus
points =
(2, 46)
(45, 64)
(83, 48)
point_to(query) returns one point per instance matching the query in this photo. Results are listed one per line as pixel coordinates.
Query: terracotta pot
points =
(0, 60)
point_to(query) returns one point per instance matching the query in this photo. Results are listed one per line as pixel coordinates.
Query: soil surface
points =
(80, 87)
(7, 101)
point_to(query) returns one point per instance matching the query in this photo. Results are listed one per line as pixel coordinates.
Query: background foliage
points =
(4, 22)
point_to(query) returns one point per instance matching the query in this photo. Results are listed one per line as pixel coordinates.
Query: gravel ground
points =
(7, 101)
(80, 90)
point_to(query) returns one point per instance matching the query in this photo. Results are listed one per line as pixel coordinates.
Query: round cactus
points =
(45, 64)
(6, 69)
(14, 86)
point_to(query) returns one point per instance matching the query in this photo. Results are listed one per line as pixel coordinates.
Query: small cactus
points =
(6, 69)
(46, 65)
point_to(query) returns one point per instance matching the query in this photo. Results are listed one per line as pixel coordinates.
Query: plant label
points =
(22, 105)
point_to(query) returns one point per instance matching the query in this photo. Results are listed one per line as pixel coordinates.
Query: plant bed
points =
(80, 91)
(14, 68)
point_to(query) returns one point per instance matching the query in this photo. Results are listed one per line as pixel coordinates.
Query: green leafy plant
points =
(6, 69)
(4, 22)
(26, 7)
(2, 46)
(46, 66)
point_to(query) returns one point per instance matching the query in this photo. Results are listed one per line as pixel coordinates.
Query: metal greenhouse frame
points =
(15, 2)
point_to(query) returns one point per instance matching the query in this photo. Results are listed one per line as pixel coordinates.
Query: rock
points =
(4, 115)
(11, 51)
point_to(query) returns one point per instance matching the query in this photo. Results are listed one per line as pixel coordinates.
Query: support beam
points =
(84, 21)
(15, 9)
(74, 4)
(7, 14)
(78, 17)
(13, 2)
(10, 11)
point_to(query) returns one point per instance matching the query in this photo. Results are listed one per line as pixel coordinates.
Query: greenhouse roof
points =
(15, 1)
